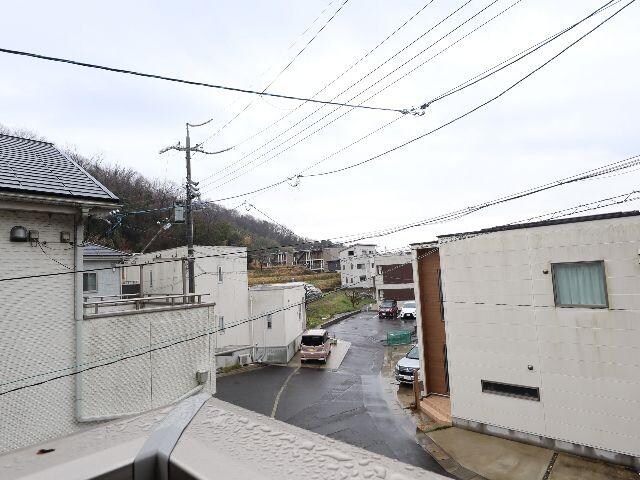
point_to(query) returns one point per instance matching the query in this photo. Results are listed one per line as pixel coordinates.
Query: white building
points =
(220, 274)
(357, 266)
(105, 281)
(66, 363)
(279, 319)
(543, 333)
(394, 277)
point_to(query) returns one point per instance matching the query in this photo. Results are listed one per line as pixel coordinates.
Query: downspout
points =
(253, 346)
(79, 309)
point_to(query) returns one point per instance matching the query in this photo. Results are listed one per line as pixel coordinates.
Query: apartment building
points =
(357, 265)
(394, 277)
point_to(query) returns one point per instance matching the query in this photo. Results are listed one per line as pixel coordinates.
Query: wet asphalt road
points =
(356, 404)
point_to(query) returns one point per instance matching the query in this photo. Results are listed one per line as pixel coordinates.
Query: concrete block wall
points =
(501, 318)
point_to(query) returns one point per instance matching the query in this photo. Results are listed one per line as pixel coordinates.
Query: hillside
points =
(214, 224)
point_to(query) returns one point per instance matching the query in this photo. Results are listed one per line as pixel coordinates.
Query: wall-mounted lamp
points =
(34, 235)
(19, 234)
(65, 237)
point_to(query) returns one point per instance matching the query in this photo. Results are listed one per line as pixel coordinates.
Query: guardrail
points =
(140, 302)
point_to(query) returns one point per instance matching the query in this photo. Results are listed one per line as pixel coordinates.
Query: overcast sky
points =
(577, 113)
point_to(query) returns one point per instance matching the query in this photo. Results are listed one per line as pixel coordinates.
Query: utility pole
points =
(192, 192)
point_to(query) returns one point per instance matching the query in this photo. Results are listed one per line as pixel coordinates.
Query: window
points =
(360, 266)
(221, 323)
(371, 264)
(219, 274)
(344, 267)
(89, 282)
(380, 294)
(510, 390)
(352, 266)
(269, 321)
(351, 280)
(151, 278)
(363, 278)
(379, 269)
(579, 284)
(350, 253)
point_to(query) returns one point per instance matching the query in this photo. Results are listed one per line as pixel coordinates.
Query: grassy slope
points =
(332, 304)
(324, 281)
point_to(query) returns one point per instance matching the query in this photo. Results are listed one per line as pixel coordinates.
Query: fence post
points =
(416, 388)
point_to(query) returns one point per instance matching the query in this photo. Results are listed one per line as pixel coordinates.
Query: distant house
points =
(318, 259)
(357, 266)
(279, 258)
(542, 331)
(394, 277)
(105, 281)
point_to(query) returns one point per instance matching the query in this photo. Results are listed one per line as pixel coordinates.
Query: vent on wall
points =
(510, 390)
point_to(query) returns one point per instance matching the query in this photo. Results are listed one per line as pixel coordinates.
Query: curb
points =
(445, 460)
(338, 318)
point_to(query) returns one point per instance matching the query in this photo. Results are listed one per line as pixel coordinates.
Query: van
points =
(315, 345)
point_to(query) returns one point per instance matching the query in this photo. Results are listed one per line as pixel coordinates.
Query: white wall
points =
(287, 323)
(350, 274)
(38, 332)
(108, 277)
(500, 318)
(230, 296)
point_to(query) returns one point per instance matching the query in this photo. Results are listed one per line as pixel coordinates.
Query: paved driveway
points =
(354, 404)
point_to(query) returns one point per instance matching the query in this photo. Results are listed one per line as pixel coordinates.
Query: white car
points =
(408, 310)
(407, 365)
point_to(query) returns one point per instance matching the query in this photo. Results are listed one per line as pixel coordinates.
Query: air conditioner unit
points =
(244, 359)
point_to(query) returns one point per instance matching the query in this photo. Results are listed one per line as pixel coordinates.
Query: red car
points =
(388, 309)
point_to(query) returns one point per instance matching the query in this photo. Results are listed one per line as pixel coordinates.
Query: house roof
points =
(95, 250)
(545, 223)
(31, 166)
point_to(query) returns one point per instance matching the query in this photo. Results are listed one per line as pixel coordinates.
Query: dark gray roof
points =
(545, 223)
(94, 250)
(31, 166)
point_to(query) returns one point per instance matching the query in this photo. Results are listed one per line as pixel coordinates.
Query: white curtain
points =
(580, 283)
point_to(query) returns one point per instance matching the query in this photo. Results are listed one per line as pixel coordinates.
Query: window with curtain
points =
(580, 284)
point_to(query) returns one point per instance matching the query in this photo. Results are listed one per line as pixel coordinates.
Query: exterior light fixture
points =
(19, 234)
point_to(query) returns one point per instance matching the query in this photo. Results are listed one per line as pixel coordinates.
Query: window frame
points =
(269, 321)
(220, 274)
(575, 305)
(95, 274)
(221, 326)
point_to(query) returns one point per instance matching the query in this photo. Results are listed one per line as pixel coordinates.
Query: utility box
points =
(178, 214)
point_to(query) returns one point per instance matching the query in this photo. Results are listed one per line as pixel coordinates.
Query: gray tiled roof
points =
(95, 250)
(39, 167)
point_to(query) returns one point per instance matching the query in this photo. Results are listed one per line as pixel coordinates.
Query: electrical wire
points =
(189, 82)
(277, 137)
(478, 107)
(456, 214)
(199, 334)
(406, 22)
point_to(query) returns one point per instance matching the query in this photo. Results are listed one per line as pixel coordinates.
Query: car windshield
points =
(409, 304)
(387, 303)
(312, 340)
(413, 353)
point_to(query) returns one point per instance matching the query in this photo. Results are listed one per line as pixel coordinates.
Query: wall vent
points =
(511, 390)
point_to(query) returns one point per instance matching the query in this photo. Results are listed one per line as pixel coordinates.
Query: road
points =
(357, 404)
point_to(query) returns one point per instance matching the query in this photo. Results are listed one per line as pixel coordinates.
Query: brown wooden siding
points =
(397, 273)
(433, 332)
(400, 294)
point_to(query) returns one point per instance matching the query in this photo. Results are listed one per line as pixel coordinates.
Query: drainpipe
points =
(78, 309)
(253, 346)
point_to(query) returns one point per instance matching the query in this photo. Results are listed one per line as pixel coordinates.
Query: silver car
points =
(407, 365)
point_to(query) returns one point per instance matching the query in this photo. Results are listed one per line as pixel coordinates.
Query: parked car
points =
(388, 309)
(311, 292)
(315, 345)
(407, 365)
(408, 310)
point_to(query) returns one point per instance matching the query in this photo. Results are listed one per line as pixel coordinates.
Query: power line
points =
(277, 137)
(190, 82)
(592, 173)
(476, 108)
(285, 68)
(123, 355)
(325, 86)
